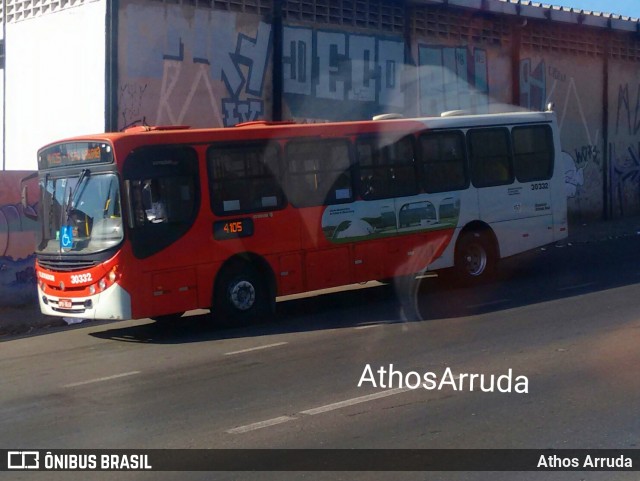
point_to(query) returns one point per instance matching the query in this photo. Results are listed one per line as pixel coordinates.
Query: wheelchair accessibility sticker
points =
(66, 237)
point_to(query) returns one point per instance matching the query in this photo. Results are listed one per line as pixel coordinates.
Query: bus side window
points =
(533, 152)
(490, 155)
(161, 200)
(163, 185)
(319, 172)
(386, 167)
(402, 156)
(164, 195)
(371, 177)
(244, 178)
(444, 161)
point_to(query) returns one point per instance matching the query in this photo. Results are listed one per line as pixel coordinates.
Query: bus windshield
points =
(80, 214)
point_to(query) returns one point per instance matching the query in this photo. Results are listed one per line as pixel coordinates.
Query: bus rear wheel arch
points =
(243, 293)
(476, 256)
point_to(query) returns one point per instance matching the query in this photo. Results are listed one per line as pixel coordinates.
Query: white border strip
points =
(255, 348)
(355, 400)
(101, 379)
(260, 425)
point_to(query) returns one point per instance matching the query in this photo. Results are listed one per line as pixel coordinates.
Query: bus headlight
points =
(112, 276)
(92, 290)
(102, 284)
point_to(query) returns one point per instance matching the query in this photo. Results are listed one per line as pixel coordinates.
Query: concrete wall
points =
(55, 80)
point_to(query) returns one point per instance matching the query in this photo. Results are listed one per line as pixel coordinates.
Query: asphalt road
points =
(567, 319)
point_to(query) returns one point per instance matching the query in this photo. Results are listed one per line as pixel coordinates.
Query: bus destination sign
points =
(74, 153)
(232, 229)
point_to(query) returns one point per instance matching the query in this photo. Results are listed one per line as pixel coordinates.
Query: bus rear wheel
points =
(475, 259)
(241, 296)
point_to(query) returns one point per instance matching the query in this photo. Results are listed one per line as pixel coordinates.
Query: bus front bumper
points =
(112, 303)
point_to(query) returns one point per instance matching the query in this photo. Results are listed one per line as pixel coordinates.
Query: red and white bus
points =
(156, 221)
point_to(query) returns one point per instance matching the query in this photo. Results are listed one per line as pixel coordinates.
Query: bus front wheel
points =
(475, 259)
(241, 296)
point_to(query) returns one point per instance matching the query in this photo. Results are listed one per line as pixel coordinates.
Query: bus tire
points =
(475, 258)
(241, 296)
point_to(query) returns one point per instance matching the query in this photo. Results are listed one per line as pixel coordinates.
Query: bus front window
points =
(80, 214)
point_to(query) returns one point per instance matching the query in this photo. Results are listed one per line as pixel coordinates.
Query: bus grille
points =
(66, 264)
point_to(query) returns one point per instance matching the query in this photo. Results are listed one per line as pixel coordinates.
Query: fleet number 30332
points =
(81, 278)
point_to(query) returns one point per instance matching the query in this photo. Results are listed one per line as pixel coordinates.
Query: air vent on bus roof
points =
(155, 128)
(454, 113)
(265, 123)
(389, 116)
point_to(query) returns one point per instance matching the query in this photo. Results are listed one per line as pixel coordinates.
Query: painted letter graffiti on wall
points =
(533, 85)
(197, 68)
(253, 53)
(453, 78)
(339, 76)
(17, 241)
(586, 154)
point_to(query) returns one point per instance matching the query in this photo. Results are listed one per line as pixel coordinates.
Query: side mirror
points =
(28, 211)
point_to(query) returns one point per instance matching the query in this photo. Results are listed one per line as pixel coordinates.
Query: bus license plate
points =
(65, 304)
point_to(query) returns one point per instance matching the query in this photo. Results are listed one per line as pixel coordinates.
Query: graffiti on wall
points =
(193, 67)
(533, 85)
(624, 150)
(130, 98)
(17, 243)
(453, 78)
(628, 112)
(625, 175)
(573, 175)
(542, 83)
(183, 65)
(243, 101)
(340, 76)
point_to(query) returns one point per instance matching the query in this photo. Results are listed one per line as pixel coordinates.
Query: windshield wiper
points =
(73, 193)
(107, 204)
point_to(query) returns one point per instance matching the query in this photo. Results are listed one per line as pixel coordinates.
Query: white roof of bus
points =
(474, 120)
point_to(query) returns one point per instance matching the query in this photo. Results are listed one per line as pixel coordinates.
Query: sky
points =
(630, 8)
